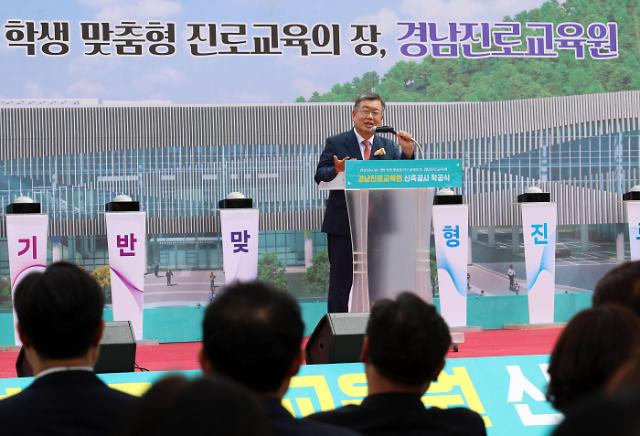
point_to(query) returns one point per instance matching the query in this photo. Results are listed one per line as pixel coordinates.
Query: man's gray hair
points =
(368, 96)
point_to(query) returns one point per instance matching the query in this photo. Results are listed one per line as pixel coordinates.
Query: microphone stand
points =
(419, 147)
(392, 131)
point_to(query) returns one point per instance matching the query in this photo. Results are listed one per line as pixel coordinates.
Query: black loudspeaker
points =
(337, 338)
(117, 348)
(117, 351)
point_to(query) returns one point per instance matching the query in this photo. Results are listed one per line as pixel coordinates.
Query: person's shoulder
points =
(458, 417)
(13, 402)
(15, 411)
(308, 426)
(120, 396)
(336, 416)
(454, 411)
(344, 410)
(104, 406)
(586, 417)
(104, 394)
(341, 137)
(112, 403)
(93, 385)
(314, 427)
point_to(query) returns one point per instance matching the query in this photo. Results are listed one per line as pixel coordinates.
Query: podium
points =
(389, 203)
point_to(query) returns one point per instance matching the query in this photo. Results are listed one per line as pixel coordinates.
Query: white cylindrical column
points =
(632, 208)
(451, 233)
(127, 242)
(239, 232)
(539, 223)
(27, 230)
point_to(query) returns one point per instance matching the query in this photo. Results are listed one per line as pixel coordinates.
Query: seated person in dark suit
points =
(60, 324)
(204, 406)
(403, 352)
(252, 334)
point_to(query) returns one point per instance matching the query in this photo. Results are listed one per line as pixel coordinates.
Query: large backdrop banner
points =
(286, 51)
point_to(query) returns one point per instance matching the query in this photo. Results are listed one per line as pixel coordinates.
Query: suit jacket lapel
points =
(353, 146)
(377, 144)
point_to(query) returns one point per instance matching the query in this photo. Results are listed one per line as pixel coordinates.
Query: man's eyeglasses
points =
(366, 112)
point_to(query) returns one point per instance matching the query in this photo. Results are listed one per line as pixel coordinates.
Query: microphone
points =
(389, 129)
(383, 129)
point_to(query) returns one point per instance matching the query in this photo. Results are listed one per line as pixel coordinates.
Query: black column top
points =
(439, 200)
(235, 203)
(534, 197)
(17, 208)
(122, 206)
(631, 195)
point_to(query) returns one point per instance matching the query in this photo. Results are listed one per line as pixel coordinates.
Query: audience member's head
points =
(627, 377)
(59, 314)
(252, 333)
(202, 407)
(621, 285)
(406, 342)
(592, 347)
(613, 412)
(600, 415)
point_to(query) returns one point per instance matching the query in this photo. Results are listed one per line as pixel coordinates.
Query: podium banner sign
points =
(27, 243)
(539, 221)
(239, 244)
(402, 174)
(127, 241)
(633, 218)
(450, 230)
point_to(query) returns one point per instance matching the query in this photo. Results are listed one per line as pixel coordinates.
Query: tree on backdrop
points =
(272, 271)
(449, 80)
(103, 277)
(316, 277)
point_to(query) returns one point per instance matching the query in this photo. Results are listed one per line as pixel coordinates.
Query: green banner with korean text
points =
(403, 174)
(507, 391)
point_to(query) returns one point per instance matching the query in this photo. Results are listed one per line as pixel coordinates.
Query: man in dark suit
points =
(253, 334)
(403, 351)
(60, 324)
(359, 143)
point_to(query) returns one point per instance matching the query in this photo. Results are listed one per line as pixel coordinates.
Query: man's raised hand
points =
(339, 164)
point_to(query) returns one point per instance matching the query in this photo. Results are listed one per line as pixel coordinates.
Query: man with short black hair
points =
(59, 313)
(252, 334)
(403, 351)
(358, 143)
